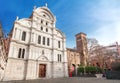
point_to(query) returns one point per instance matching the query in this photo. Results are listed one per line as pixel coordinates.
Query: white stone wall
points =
(35, 54)
(15, 69)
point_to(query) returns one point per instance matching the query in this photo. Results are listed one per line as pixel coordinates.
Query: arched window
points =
(46, 29)
(58, 44)
(23, 53)
(19, 53)
(46, 23)
(41, 21)
(48, 41)
(59, 58)
(41, 28)
(23, 35)
(43, 40)
(39, 39)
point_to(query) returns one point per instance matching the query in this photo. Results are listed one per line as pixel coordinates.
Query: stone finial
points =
(46, 4)
(34, 8)
(17, 17)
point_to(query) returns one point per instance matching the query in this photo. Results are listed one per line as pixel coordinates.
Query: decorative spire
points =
(46, 5)
(17, 17)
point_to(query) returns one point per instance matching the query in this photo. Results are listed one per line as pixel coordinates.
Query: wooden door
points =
(42, 70)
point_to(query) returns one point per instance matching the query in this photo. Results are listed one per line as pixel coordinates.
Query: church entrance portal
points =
(42, 70)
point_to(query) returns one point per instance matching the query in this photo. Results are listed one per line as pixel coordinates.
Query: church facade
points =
(37, 48)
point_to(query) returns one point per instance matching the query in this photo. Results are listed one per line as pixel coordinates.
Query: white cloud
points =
(108, 34)
(107, 17)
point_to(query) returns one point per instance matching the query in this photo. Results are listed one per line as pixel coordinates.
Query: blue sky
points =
(99, 19)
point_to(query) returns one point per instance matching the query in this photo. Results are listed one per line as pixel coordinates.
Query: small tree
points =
(92, 43)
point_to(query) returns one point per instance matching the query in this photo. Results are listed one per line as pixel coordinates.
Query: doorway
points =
(42, 70)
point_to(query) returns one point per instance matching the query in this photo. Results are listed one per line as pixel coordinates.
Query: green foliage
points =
(99, 70)
(81, 69)
(89, 69)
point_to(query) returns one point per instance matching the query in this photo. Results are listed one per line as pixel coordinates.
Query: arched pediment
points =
(59, 33)
(45, 12)
(42, 58)
(24, 22)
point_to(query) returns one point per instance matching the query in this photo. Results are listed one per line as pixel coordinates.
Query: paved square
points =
(68, 80)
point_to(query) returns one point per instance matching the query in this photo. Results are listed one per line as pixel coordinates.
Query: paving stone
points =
(68, 80)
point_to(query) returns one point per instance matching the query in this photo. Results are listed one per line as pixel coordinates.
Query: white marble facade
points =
(36, 41)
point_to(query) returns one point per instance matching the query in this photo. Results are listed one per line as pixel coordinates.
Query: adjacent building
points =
(77, 56)
(37, 48)
(3, 55)
(81, 43)
(108, 55)
(73, 57)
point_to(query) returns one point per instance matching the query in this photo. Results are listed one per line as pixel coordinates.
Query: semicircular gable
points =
(42, 58)
(45, 12)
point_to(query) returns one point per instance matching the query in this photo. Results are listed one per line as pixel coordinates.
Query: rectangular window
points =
(23, 35)
(43, 40)
(46, 23)
(39, 39)
(59, 58)
(58, 44)
(23, 53)
(19, 53)
(48, 41)
(41, 21)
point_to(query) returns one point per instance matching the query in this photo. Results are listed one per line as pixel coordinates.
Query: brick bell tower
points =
(81, 44)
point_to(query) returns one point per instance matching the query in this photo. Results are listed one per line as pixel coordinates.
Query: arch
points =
(24, 21)
(62, 34)
(44, 11)
(42, 58)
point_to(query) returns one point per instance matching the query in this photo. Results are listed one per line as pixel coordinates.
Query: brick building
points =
(109, 54)
(77, 56)
(81, 43)
(3, 55)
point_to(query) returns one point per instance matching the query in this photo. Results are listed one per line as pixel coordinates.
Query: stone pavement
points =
(68, 80)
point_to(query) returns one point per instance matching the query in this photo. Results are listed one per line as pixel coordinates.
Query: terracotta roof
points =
(80, 33)
(75, 50)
